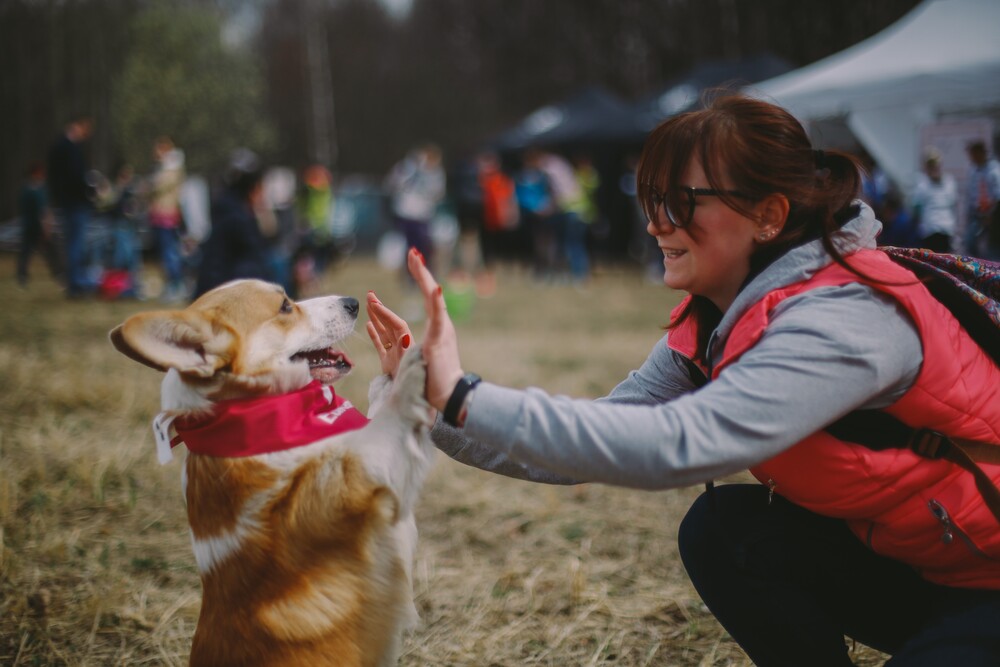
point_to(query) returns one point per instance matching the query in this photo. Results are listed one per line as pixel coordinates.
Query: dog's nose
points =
(350, 305)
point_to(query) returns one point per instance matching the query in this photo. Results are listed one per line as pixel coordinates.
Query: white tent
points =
(941, 58)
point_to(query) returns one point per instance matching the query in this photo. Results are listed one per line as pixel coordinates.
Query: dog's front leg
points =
(396, 445)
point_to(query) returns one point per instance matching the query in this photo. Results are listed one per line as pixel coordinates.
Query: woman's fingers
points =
(391, 328)
(376, 316)
(390, 334)
(438, 319)
(440, 345)
(376, 341)
(393, 322)
(433, 297)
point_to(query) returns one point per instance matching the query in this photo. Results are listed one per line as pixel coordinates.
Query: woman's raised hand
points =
(440, 346)
(391, 335)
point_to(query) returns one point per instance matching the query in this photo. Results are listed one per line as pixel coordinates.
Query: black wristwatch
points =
(453, 408)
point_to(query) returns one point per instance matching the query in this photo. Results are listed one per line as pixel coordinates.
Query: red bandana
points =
(247, 427)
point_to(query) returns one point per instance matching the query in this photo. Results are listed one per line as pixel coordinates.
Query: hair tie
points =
(820, 158)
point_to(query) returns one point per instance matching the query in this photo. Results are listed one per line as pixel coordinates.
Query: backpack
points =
(968, 286)
(970, 289)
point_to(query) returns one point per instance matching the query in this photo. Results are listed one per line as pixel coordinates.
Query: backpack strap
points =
(879, 430)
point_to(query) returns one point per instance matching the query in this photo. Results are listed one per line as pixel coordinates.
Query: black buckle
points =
(930, 444)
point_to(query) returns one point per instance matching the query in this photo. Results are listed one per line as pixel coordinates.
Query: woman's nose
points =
(655, 228)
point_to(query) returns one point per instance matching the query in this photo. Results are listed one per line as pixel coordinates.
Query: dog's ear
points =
(173, 339)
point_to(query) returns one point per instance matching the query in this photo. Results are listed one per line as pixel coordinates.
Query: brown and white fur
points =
(305, 555)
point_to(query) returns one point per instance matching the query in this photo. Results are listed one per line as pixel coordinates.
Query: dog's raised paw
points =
(409, 385)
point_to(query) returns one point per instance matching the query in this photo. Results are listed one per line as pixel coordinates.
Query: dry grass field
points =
(95, 563)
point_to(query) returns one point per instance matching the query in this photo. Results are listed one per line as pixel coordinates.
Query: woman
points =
(793, 320)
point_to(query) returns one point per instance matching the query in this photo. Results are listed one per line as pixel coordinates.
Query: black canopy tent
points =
(596, 122)
(685, 92)
(586, 118)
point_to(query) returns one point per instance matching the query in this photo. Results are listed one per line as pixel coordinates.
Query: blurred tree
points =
(457, 72)
(181, 80)
(56, 60)
(452, 71)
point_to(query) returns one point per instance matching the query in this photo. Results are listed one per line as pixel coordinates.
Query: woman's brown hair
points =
(759, 149)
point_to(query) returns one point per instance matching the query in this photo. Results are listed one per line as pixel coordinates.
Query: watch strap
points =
(453, 408)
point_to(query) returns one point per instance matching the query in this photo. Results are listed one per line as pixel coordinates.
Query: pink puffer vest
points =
(923, 512)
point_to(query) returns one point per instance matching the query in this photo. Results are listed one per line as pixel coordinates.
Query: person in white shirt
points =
(935, 203)
(982, 197)
(417, 186)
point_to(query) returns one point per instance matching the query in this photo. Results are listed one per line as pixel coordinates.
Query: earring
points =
(766, 236)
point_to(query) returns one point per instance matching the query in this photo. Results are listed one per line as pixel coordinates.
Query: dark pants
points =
(74, 224)
(168, 245)
(418, 235)
(576, 246)
(33, 239)
(788, 585)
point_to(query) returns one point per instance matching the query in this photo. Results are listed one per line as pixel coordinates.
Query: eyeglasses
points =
(680, 212)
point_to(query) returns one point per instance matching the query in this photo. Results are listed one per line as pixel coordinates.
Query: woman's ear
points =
(772, 212)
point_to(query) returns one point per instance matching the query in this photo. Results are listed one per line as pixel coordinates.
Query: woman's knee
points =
(695, 532)
(707, 519)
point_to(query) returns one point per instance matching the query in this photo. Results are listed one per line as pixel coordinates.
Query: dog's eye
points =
(286, 307)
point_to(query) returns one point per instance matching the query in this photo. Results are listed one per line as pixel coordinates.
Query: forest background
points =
(353, 84)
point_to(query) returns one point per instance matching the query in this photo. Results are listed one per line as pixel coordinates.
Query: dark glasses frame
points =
(656, 200)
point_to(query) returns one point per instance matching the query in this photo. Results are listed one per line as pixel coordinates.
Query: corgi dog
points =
(300, 507)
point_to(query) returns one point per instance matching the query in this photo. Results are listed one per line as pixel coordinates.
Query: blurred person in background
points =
(36, 224)
(417, 186)
(875, 184)
(982, 235)
(118, 201)
(164, 214)
(70, 194)
(935, 205)
(793, 320)
(566, 195)
(466, 193)
(279, 224)
(539, 213)
(582, 214)
(235, 247)
(502, 235)
(315, 211)
(898, 228)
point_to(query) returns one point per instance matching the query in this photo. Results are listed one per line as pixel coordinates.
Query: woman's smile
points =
(672, 253)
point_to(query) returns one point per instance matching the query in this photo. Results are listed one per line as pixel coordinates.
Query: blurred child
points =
(36, 224)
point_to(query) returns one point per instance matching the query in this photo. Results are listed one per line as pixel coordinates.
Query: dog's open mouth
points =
(325, 365)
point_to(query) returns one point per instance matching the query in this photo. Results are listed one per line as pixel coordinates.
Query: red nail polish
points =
(405, 341)
(438, 291)
(420, 256)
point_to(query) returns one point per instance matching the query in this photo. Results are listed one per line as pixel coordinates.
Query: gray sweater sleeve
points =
(825, 353)
(661, 378)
